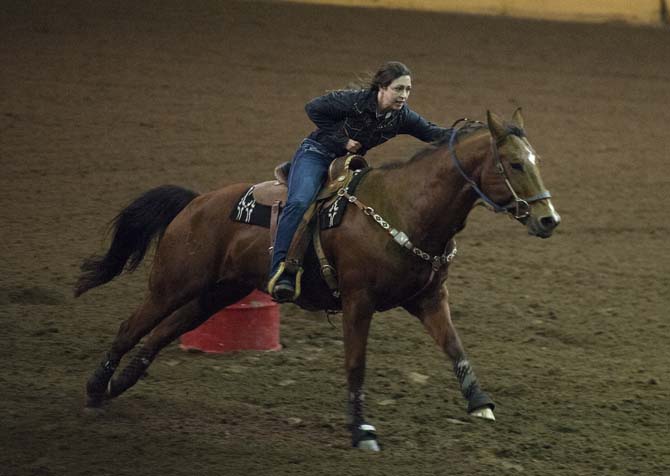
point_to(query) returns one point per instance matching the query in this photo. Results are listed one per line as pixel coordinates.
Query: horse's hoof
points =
(369, 445)
(365, 438)
(485, 413)
(95, 400)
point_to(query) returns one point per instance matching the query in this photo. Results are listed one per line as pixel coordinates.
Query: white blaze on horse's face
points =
(531, 157)
(395, 95)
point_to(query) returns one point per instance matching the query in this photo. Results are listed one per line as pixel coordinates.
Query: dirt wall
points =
(639, 11)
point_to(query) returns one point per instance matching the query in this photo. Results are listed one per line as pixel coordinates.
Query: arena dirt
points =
(569, 335)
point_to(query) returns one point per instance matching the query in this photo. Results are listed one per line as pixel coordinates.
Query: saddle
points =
(340, 174)
(273, 193)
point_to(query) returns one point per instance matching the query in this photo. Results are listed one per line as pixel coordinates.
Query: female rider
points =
(348, 122)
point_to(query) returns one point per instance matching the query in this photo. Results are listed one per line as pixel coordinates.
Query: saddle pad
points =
(248, 210)
(331, 216)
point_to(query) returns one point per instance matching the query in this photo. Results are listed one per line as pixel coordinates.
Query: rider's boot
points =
(282, 286)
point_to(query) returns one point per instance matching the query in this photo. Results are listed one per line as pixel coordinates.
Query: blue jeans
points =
(308, 172)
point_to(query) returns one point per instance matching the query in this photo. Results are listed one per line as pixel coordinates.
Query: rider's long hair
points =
(385, 75)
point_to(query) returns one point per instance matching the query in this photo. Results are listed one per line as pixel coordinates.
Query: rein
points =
(518, 207)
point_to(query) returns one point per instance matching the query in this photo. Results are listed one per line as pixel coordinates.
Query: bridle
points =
(518, 207)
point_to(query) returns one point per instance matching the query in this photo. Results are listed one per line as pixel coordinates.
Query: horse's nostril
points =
(548, 223)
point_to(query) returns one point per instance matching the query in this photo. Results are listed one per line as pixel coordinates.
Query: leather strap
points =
(328, 273)
(274, 221)
(296, 251)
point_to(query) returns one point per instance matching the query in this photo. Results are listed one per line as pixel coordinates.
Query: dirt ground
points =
(569, 335)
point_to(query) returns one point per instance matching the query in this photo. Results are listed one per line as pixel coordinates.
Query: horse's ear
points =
(495, 125)
(517, 118)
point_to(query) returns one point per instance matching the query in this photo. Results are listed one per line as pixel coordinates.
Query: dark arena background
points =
(100, 101)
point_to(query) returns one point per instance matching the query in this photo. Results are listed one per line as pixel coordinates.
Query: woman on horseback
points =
(350, 121)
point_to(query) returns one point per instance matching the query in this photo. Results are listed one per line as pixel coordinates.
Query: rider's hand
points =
(353, 146)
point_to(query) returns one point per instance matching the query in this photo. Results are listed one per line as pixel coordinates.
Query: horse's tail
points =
(134, 229)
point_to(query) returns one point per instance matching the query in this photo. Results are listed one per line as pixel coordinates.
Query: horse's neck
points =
(430, 197)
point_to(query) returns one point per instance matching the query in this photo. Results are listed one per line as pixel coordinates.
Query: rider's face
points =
(394, 96)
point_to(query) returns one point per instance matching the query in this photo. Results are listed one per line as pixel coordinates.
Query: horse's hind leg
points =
(434, 313)
(182, 320)
(145, 317)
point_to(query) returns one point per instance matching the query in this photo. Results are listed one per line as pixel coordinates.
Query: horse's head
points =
(512, 179)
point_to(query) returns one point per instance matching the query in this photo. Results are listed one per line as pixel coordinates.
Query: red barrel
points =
(249, 324)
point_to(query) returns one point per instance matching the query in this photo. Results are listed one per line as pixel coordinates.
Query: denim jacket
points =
(352, 114)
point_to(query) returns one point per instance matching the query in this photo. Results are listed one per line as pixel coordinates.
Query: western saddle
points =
(274, 192)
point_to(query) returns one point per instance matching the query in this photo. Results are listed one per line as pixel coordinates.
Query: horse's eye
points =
(516, 166)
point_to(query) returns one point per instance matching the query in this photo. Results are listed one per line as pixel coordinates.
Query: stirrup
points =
(282, 288)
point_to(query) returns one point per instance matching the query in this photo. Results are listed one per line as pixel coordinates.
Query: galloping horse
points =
(205, 261)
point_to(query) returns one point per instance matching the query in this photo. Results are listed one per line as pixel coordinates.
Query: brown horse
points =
(205, 261)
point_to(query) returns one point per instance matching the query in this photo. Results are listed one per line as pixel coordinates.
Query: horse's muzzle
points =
(543, 226)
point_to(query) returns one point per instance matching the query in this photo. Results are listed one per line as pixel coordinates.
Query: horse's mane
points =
(469, 128)
(466, 130)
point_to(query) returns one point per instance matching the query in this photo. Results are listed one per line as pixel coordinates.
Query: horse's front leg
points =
(433, 312)
(357, 316)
